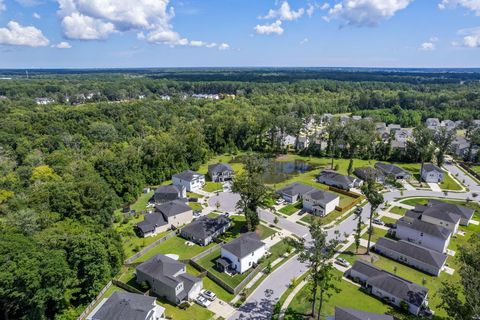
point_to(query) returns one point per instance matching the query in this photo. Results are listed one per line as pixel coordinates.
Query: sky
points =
(239, 33)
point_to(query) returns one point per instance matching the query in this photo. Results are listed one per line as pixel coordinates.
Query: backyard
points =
(291, 208)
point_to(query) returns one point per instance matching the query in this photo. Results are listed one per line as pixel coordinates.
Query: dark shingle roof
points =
(429, 167)
(462, 211)
(125, 306)
(425, 227)
(244, 245)
(419, 253)
(322, 195)
(151, 221)
(296, 189)
(187, 175)
(366, 173)
(172, 208)
(219, 167)
(390, 168)
(205, 226)
(162, 268)
(169, 189)
(332, 175)
(352, 314)
(393, 284)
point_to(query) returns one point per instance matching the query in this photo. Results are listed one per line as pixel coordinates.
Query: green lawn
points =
(449, 183)
(377, 233)
(226, 158)
(398, 210)
(291, 208)
(175, 245)
(210, 285)
(239, 226)
(195, 206)
(349, 296)
(388, 220)
(212, 186)
(195, 311)
(194, 195)
(309, 218)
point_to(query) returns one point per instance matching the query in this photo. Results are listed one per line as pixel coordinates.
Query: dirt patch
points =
(371, 258)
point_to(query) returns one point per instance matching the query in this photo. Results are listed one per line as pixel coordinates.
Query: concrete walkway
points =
(408, 186)
(435, 187)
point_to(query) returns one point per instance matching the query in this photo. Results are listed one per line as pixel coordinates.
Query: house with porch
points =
(220, 172)
(241, 254)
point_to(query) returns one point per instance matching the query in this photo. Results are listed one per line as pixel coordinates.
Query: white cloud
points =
(17, 35)
(284, 12)
(304, 40)
(310, 10)
(63, 45)
(473, 5)
(427, 46)
(223, 46)
(361, 13)
(36, 15)
(95, 20)
(275, 27)
(471, 37)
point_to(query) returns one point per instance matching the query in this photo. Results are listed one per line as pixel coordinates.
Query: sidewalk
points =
(435, 187)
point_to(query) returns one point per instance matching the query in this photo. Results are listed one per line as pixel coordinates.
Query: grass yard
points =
(212, 186)
(239, 226)
(226, 158)
(210, 285)
(309, 218)
(388, 220)
(195, 311)
(398, 210)
(195, 206)
(291, 208)
(194, 195)
(175, 245)
(449, 183)
(377, 233)
(350, 296)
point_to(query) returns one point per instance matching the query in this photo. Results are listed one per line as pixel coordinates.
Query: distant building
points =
(168, 193)
(206, 96)
(44, 101)
(432, 174)
(320, 202)
(302, 142)
(165, 97)
(460, 146)
(189, 179)
(432, 122)
(220, 172)
(337, 180)
(393, 171)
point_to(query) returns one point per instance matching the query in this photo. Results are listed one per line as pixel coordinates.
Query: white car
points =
(378, 221)
(208, 294)
(204, 302)
(342, 262)
(280, 201)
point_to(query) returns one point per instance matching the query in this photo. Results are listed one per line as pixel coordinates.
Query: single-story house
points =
(167, 215)
(354, 314)
(432, 174)
(337, 180)
(414, 255)
(205, 229)
(189, 179)
(169, 193)
(320, 202)
(423, 233)
(435, 215)
(168, 278)
(391, 170)
(127, 306)
(366, 173)
(220, 172)
(294, 192)
(390, 287)
(241, 253)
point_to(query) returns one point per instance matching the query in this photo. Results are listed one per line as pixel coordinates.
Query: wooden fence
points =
(469, 170)
(150, 246)
(92, 304)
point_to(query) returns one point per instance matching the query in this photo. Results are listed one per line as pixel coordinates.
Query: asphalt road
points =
(260, 304)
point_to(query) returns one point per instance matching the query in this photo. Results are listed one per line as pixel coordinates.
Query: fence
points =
(345, 192)
(357, 199)
(126, 287)
(94, 302)
(150, 246)
(469, 170)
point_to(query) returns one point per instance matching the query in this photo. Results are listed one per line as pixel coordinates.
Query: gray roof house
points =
(421, 258)
(460, 146)
(241, 253)
(337, 180)
(220, 172)
(127, 306)
(391, 170)
(466, 214)
(354, 314)
(320, 202)
(423, 233)
(390, 287)
(189, 179)
(366, 173)
(431, 173)
(169, 193)
(168, 278)
(432, 122)
(294, 192)
(167, 215)
(435, 215)
(205, 229)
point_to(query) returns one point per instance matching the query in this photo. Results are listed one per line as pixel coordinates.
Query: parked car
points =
(204, 302)
(208, 294)
(378, 221)
(280, 201)
(343, 262)
(391, 225)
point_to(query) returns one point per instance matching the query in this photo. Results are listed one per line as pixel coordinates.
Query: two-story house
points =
(431, 173)
(220, 172)
(167, 215)
(242, 253)
(319, 202)
(189, 179)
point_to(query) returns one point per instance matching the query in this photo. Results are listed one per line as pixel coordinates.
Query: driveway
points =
(227, 200)
(435, 187)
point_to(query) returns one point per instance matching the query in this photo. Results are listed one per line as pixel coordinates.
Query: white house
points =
(423, 233)
(189, 179)
(320, 202)
(432, 174)
(242, 253)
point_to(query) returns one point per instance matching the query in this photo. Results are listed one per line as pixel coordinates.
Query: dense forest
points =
(64, 168)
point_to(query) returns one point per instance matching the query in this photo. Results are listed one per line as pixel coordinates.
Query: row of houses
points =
(382, 171)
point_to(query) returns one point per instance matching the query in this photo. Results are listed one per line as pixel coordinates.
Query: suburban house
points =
(205, 229)
(167, 215)
(432, 123)
(466, 214)
(337, 180)
(189, 179)
(294, 192)
(220, 172)
(449, 124)
(393, 171)
(460, 146)
(393, 127)
(169, 193)
(398, 145)
(421, 258)
(435, 215)
(353, 314)
(423, 233)
(287, 140)
(431, 173)
(390, 287)
(168, 278)
(127, 306)
(403, 134)
(319, 202)
(366, 173)
(302, 142)
(242, 253)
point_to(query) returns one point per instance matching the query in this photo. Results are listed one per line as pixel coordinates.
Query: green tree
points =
(422, 144)
(442, 139)
(375, 198)
(358, 231)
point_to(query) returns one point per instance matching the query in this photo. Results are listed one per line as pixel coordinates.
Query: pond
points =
(278, 171)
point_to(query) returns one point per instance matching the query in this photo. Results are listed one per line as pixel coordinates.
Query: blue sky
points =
(194, 33)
